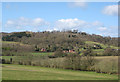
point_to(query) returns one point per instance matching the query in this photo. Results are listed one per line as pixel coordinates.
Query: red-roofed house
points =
(43, 49)
(72, 51)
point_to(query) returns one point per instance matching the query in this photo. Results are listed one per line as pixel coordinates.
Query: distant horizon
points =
(100, 18)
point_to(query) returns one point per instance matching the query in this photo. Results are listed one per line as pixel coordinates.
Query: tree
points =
(88, 52)
(110, 52)
(89, 58)
(36, 48)
(59, 53)
(73, 61)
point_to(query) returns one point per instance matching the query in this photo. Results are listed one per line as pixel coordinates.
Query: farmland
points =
(22, 72)
(59, 56)
(101, 64)
(38, 54)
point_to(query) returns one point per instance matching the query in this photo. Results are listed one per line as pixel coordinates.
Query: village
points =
(95, 46)
(64, 51)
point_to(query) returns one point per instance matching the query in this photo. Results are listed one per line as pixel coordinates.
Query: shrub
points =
(110, 52)
(106, 66)
(59, 53)
(73, 61)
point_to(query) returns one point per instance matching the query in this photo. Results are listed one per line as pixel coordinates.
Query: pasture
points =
(22, 72)
(107, 64)
(44, 53)
(103, 45)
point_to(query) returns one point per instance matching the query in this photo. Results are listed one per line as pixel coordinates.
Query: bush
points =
(59, 53)
(5, 61)
(110, 52)
(71, 61)
(106, 66)
(88, 52)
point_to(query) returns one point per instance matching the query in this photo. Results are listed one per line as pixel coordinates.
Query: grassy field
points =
(22, 72)
(8, 57)
(44, 53)
(14, 43)
(11, 42)
(38, 54)
(107, 57)
(102, 45)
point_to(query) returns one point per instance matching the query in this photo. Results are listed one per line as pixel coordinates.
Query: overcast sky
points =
(92, 17)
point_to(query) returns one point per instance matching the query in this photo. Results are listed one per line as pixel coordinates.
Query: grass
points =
(107, 57)
(34, 55)
(44, 53)
(11, 42)
(104, 46)
(38, 54)
(8, 57)
(98, 51)
(91, 43)
(22, 72)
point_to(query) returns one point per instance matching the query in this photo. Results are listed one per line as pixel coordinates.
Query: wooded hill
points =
(67, 40)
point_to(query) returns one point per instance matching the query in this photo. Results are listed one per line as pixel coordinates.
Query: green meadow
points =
(44, 53)
(22, 72)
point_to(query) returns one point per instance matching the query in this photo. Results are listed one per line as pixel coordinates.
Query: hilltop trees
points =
(58, 38)
(15, 36)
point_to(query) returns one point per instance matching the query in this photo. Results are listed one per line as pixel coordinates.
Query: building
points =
(72, 51)
(65, 51)
(43, 49)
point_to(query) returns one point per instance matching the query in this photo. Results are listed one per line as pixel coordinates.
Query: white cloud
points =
(10, 22)
(39, 24)
(80, 4)
(70, 24)
(97, 23)
(89, 27)
(37, 20)
(22, 22)
(102, 28)
(77, 3)
(109, 31)
(111, 10)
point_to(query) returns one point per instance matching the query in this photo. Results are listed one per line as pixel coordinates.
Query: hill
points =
(52, 41)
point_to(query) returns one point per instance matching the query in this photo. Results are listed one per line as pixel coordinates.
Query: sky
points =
(92, 17)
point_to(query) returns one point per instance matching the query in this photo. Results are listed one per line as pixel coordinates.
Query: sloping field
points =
(44, 53)
(21, 72)
(14, 43)
(104, 46)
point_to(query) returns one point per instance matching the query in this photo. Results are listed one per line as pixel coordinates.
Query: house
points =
(97, 46)
(65, 51)
(72, 51)
(94, 45)
(43, 49)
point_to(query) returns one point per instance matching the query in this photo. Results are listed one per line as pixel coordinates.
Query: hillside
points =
(52, 41)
